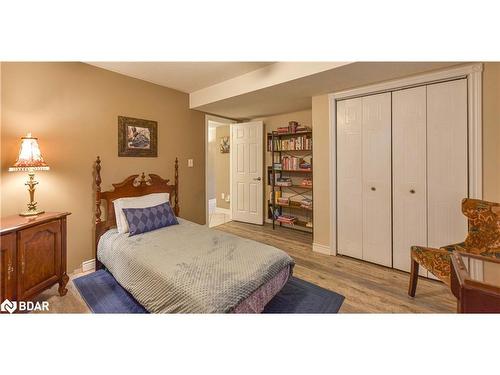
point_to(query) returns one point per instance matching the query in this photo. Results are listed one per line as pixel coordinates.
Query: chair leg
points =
(413, 278)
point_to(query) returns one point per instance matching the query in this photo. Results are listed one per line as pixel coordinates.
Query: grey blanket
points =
(188, 268)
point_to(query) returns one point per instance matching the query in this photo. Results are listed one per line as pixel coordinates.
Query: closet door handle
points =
(412, 191)
(257, 179)
(373, 188)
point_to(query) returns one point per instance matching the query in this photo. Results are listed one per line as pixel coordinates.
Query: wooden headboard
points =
(132, 186)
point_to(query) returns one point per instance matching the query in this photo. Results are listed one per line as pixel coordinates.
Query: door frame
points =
(220, 120)
(473, 74)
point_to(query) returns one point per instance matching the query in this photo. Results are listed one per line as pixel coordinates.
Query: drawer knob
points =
(412, 191)
(373, 188)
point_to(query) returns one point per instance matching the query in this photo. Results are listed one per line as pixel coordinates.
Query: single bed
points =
(185, 268)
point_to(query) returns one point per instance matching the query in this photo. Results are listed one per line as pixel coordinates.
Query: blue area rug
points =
(104, 295)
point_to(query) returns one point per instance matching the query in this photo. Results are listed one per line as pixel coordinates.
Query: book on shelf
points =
(292, 128)
(283, 201)
(284, 181)
(277, 166)
(299, 143)
(287, 219)
(306, 203)
(277, 195)
(306, 182)
(294, 163)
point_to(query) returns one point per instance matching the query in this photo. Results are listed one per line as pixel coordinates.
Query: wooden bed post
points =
(98, 180)
(98, 190)
(176, 184)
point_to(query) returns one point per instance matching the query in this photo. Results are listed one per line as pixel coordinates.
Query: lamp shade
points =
(30, 158)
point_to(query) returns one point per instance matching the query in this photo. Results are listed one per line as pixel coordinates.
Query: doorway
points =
(217, 177)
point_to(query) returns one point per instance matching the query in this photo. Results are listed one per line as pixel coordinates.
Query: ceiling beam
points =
(259, 79)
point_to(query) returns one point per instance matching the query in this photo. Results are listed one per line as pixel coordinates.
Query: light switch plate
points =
(190, 163)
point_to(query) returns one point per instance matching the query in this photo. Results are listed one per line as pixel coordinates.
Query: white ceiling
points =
(278, 94)
(297, 94)
(183, 76)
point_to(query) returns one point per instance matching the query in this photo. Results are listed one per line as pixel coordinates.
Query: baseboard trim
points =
(88, 265)
(322, 249)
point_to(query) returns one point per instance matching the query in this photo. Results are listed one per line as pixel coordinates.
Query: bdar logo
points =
(8, 306)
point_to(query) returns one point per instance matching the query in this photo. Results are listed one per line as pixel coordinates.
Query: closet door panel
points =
(409, 174)
(349, 189)
(376, 170)
(447, 161)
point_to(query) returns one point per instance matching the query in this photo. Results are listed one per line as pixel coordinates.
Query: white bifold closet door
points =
(409, 164)
(364, 178)
(447, 164)
(376, 134)
(429, 167)
(349, 178)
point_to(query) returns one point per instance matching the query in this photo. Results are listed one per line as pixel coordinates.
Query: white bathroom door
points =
(376, 179)
(409, 150)
(446, 162)
(247, 189)
(349, 178)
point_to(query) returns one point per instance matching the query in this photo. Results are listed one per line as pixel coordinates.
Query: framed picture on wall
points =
(137, 137)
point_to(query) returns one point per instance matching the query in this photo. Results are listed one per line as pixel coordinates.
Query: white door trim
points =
(473, 73)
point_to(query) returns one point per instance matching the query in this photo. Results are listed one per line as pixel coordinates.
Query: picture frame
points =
(137, 137)
(224, 145)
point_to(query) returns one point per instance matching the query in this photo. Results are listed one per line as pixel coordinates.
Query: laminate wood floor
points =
(368, 288)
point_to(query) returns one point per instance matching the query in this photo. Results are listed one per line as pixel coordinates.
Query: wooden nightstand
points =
(32, 255)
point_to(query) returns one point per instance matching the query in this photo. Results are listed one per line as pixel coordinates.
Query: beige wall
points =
(73, 109)
(221, 167)
(491, 151)
(491, 132)
(321, 172)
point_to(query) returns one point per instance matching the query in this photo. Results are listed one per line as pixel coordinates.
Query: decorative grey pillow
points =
(142, 220)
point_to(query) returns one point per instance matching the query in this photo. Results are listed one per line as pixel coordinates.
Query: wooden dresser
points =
(32, 255)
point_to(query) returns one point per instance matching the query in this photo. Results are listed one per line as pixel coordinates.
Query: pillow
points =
(142, 220)
(135, 202)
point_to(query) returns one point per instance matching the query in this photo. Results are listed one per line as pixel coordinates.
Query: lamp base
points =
(31, 212)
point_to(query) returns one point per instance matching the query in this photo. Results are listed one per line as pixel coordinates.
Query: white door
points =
(247, 194)
(409, 150)
(376, 166)
(446, 161)
(349, 178)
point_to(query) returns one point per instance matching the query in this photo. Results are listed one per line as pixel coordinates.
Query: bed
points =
(184, 268)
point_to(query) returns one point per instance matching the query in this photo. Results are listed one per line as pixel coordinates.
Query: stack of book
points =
(306, 203)
(307, 182)
(282, 201)
(302, 129)
(284, 181)
(287, 219)
(283, 130)
(304, 165)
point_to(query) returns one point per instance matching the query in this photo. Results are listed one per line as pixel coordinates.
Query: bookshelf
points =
(289, 176)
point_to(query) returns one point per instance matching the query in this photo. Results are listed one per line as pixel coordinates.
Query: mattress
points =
(189, 268)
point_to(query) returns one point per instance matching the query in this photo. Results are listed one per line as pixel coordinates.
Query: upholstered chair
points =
(482, 239)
